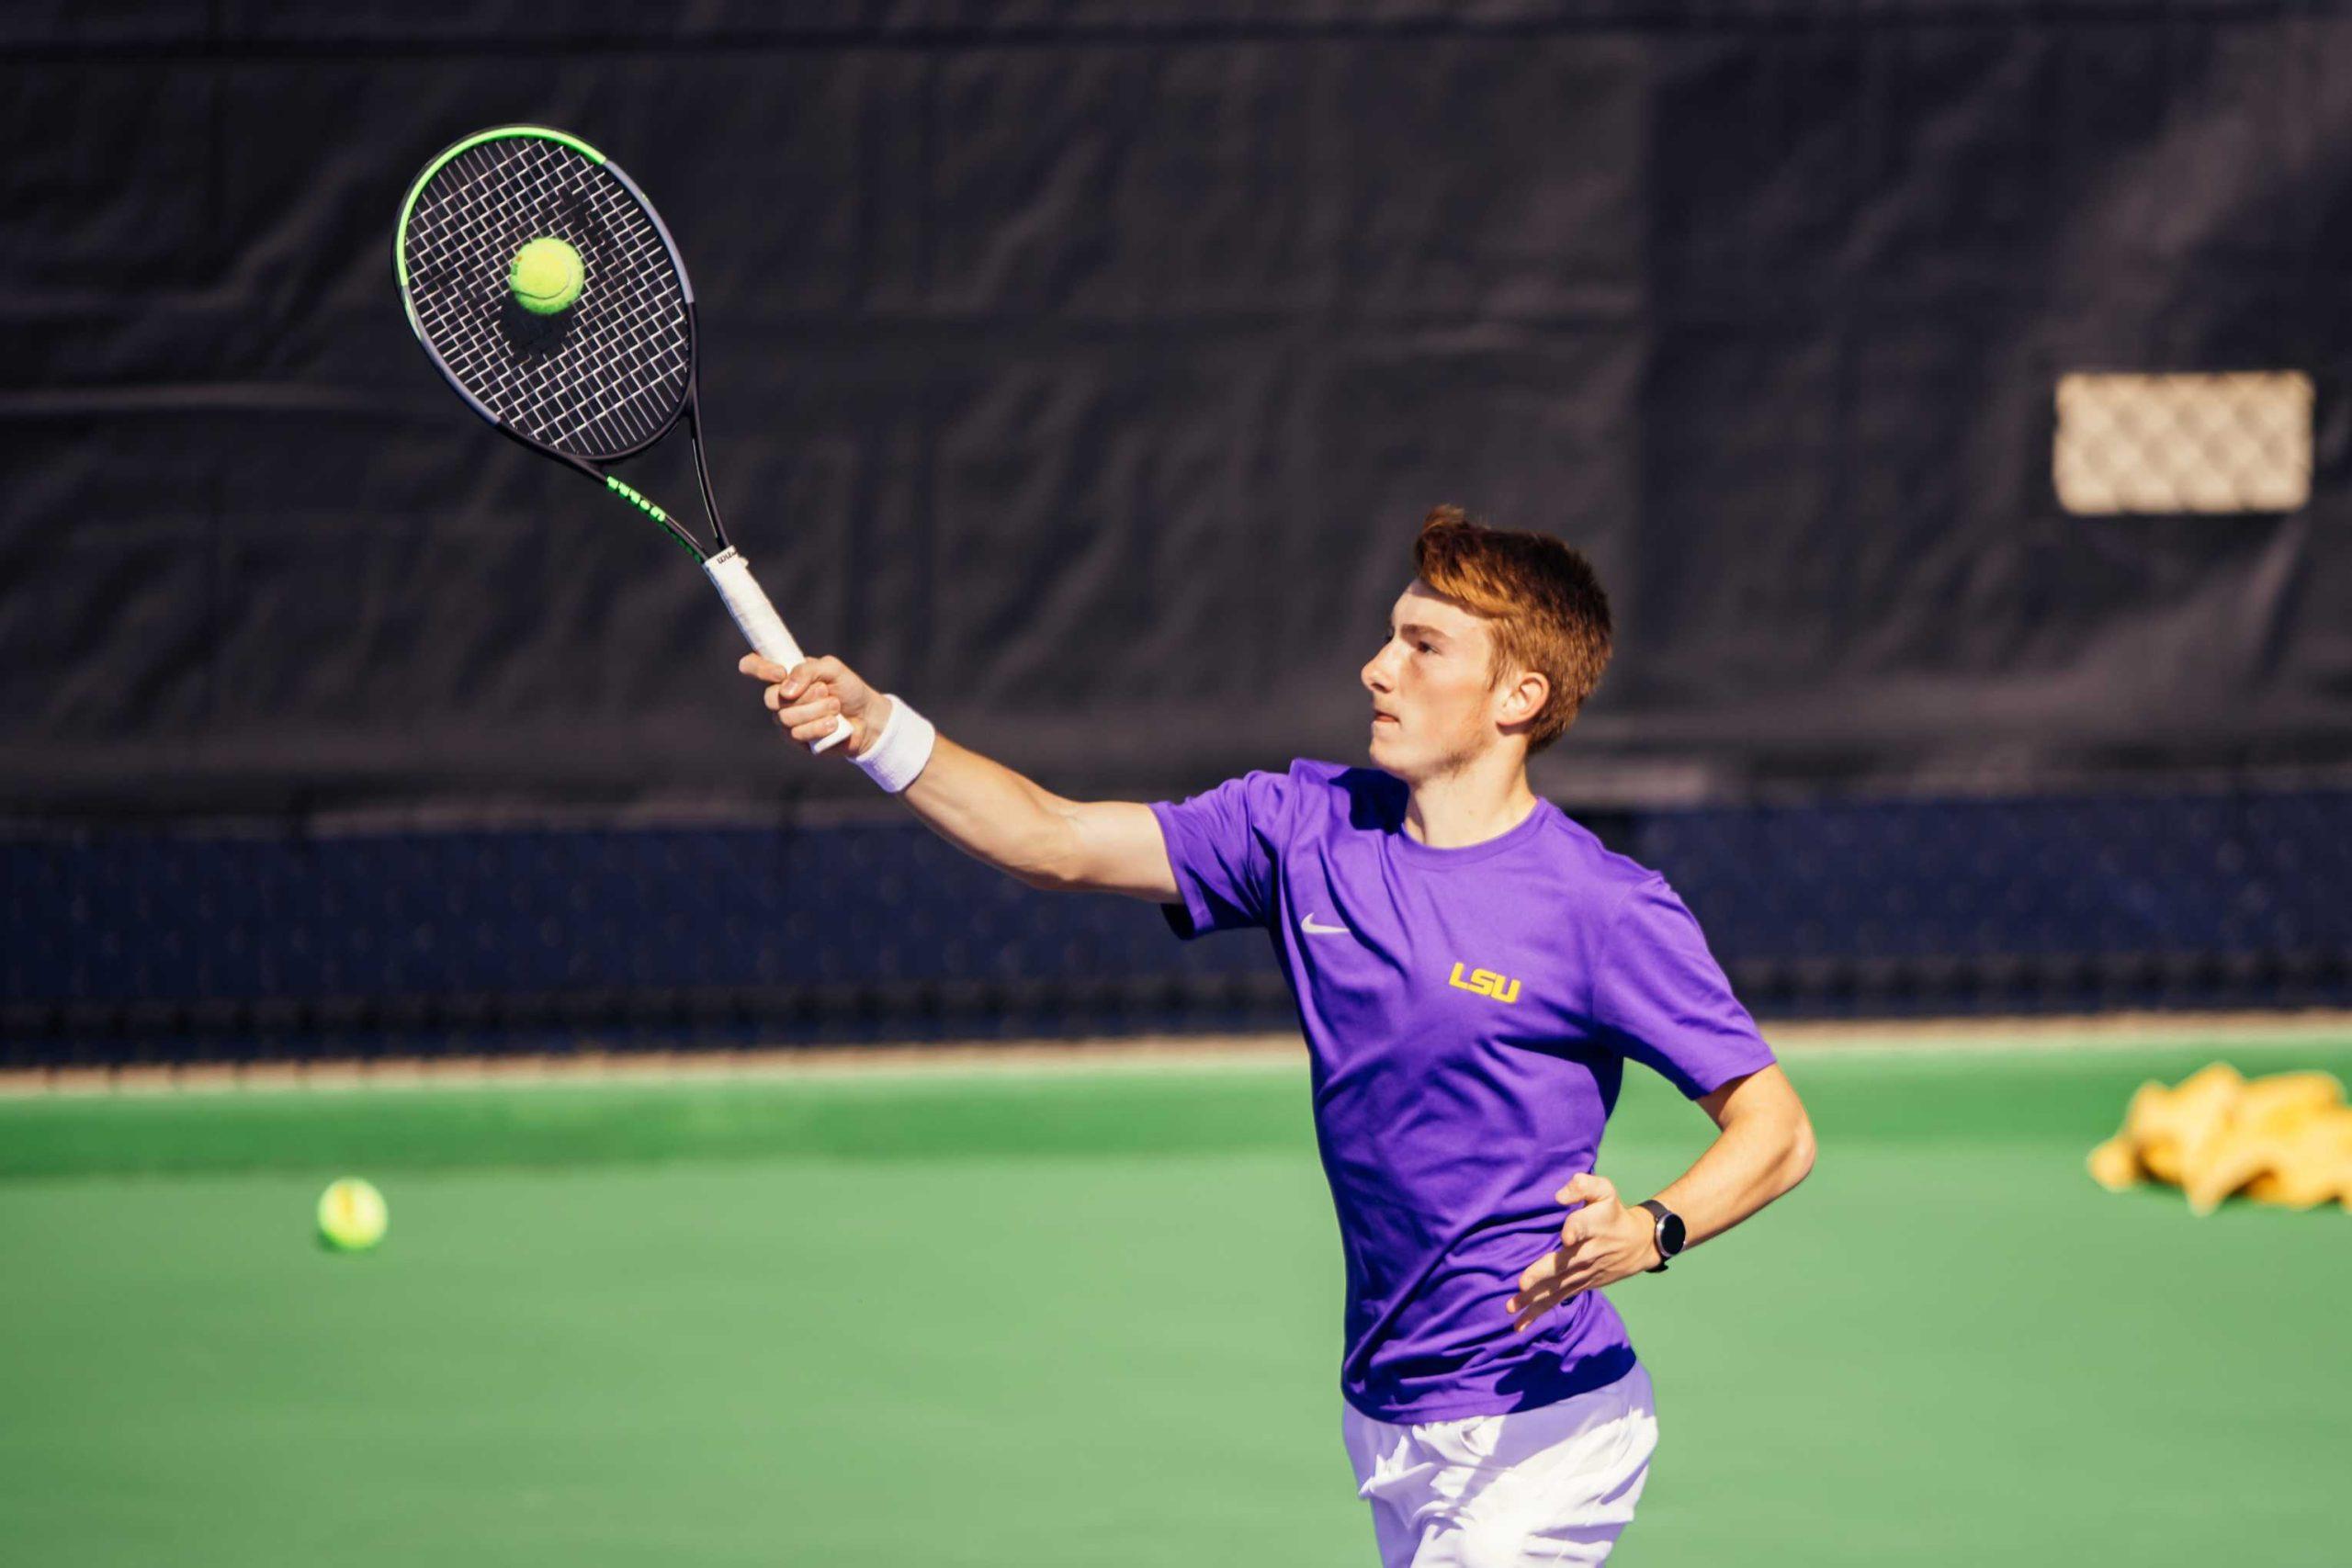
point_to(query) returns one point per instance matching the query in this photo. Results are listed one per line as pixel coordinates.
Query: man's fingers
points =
(1535, 1273)
(810, 671)
(1589, 1188)
(1548, 1276)
(1548, 1270)
(806, 698)
(1529, 1310)
(781, 699)
(1575, 1266)
(784, 694)
(818, 728)
(799, 715)
(1527, 1307)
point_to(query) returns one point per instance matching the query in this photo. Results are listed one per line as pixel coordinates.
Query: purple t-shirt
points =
(1469, 1013)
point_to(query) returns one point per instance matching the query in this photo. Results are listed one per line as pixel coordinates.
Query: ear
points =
(1523, 698)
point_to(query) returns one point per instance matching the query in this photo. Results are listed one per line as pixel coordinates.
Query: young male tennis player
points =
(1472, 971)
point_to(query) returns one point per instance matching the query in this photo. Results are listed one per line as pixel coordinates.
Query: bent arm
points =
(1764, 1148)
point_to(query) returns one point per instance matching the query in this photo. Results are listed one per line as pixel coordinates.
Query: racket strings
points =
(609, 374)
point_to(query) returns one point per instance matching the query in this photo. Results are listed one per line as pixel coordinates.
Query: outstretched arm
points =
(1764, 1147)
(981, 806)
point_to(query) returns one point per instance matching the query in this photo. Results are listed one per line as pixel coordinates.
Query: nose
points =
(1376, 676)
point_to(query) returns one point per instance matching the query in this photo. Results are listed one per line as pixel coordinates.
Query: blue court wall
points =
(246, 946)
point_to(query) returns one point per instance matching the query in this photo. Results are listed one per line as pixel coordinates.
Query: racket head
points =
(595, 382)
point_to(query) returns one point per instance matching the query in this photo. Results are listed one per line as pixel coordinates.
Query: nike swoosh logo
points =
(1311, 928)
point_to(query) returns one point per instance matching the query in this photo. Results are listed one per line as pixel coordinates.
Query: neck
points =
(1482, 798)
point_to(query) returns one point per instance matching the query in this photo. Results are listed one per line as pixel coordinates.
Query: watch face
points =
(1670, 1235)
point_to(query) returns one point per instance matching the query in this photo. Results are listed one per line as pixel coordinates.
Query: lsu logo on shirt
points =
(1485, 982)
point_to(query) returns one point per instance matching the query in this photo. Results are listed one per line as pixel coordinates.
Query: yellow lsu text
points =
(1485, 982)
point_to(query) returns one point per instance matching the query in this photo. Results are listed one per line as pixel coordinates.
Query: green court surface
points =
(1090, 1317)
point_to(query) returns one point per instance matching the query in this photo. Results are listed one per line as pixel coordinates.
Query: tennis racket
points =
(547, 291)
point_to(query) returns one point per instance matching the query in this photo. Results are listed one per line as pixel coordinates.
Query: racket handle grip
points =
(761, 625)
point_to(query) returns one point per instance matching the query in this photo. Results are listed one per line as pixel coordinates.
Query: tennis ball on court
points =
(546, 277)
(352, 1215)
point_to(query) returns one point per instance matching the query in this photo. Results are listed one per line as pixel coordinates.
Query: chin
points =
(1390, 757)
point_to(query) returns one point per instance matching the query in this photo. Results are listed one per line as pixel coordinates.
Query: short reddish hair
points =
(1548, 609)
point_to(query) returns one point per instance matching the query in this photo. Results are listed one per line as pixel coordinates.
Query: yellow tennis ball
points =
(352, 1215)
(546, 277)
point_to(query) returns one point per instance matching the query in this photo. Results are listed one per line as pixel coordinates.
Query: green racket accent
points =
(399, 233)
(644, 503)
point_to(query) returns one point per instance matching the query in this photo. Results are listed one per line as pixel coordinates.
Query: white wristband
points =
(900, 752)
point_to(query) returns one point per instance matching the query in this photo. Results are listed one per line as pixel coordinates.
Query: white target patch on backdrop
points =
(2239, 441)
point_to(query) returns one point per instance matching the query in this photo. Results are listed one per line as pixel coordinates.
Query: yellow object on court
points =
(2285, 1139)
(353, 1215)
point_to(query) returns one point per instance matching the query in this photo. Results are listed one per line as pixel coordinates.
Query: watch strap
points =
(1659, 1214)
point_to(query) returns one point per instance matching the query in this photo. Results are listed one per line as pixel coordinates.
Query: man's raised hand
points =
(807, 698)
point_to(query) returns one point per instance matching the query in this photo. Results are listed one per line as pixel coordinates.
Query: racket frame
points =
(754, 615)
(688, 406)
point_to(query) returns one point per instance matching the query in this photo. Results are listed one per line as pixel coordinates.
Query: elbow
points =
(1797, 1163)
(1046, 879)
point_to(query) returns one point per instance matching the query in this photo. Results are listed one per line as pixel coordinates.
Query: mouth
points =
(1380, 717)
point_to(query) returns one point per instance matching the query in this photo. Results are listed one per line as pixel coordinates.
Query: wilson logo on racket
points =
(1486, 983)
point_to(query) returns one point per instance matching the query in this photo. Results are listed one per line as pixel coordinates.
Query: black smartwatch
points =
(1671, 1232)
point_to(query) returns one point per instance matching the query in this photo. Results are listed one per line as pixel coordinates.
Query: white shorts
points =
(1551, 1485)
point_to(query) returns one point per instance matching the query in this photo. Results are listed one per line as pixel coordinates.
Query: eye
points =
(1424, 647)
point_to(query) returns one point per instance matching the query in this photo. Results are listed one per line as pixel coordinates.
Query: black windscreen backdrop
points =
(1082, 372)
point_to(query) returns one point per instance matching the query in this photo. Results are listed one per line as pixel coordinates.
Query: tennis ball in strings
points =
(352, 1215)
(546, 277)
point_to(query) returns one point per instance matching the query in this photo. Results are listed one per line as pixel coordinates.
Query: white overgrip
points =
(761, 625)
